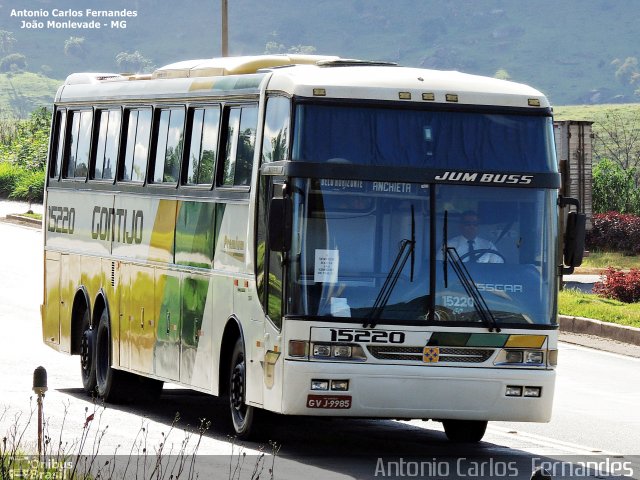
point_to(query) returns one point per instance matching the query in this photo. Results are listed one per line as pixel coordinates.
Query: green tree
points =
(502, 74)
(13, 62)
(27, 147)
(7, 41)
(133, 62)
(626, 69)
(614, 188)
(75, 47)
(618, 140)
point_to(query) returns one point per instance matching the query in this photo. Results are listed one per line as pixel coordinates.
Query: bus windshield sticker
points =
(340, 307)
(326, 266)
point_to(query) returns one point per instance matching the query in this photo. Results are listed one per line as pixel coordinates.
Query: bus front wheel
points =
(464, 431)
(87, 354)
(242, 415)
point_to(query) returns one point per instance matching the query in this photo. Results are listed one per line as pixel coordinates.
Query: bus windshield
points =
(348, 234)
(378, 136)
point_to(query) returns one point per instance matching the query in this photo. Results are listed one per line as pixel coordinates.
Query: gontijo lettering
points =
(117, 225)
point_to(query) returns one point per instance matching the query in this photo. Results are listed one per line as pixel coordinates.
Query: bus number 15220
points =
(365, 336)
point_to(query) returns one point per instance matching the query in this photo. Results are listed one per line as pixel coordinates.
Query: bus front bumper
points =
(428, 392)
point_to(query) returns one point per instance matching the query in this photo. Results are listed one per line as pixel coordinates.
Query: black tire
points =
(111, 385)
(87, 355)
(242, 415)
(464, 431)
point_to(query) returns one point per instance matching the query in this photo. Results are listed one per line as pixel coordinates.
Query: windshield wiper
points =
(470, 287)
(406, 250)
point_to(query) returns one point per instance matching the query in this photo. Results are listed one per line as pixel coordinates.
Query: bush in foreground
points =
(19, 183)
(619, 285)
(617, 232)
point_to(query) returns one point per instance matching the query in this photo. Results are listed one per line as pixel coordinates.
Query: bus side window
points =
(169, 142)
(203, 145)
(79, 144)
(106, 147)
(61, 131)
(240, 146)
(137, 145)
(275, 142)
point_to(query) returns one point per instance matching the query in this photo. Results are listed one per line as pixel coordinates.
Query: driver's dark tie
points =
(472, 257)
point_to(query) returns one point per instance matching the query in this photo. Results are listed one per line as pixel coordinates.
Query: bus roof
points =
(301, 75)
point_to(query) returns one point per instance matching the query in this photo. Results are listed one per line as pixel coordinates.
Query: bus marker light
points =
(319, 92)
(533, 356)
(404, 95)
(298, 348)
(340, 385)
(428, 97)
(533, 102)
(320, 350)
(319, 384)
(514, 356)
(513, 391)
(532, 392)
(451, 97)
(342, 351)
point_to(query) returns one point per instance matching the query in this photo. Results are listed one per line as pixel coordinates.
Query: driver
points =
(469, 242)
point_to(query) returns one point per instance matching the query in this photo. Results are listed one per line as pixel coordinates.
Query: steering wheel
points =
(482, 251)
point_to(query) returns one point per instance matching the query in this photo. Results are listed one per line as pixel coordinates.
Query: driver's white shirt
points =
(461, 244)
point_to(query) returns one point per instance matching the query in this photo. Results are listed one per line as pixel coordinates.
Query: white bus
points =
(293, 232)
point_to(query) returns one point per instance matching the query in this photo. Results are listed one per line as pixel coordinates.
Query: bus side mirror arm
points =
(574, 236)
(280, 224)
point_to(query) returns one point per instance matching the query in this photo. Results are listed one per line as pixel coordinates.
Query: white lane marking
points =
(543, 441)
(572, 346)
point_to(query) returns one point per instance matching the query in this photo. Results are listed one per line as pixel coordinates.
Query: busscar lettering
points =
(61, 219)
(117, 225)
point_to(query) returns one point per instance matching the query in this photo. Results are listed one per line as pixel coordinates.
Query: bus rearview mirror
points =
(574, 239)
(280, 225)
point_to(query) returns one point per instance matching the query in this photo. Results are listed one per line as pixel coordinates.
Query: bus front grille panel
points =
(445, 354)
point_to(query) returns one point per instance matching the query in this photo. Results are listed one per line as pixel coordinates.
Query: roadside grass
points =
(578, 304)
(610, 259)
(35, 216)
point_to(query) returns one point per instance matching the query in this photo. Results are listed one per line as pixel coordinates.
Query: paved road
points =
(596, 409)
(583, 283)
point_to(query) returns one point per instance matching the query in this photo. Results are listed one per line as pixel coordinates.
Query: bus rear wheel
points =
(464, 431)
(87, 354)
(242, 415)
(111, 384)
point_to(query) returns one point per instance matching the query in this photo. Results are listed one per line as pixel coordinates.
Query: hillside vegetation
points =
(576, 51)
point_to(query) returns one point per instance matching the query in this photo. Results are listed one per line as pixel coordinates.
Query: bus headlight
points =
(335, 351)
(533, 357)
(520, 357)
(514, 356)
(321, 350)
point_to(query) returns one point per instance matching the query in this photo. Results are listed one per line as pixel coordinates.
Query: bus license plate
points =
(328, 401)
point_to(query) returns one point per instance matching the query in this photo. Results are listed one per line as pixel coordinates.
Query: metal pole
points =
(40, 395)
(225, 28)
(39, 388)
